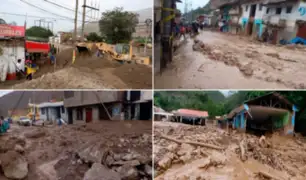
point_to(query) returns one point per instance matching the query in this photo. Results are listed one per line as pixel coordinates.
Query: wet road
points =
(272, 67)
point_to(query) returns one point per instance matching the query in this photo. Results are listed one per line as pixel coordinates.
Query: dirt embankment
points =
(103, 150)
(184, 152)
(88, 72)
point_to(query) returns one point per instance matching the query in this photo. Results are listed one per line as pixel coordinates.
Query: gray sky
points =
(19, 7)
(195, 4)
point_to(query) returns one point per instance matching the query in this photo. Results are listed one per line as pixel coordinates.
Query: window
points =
(278, 10)
(63, 109)
(268, 10)
(260, 7)
(289, 9)
(246, 8)
(43, 111)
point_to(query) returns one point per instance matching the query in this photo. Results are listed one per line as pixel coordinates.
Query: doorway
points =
(253, 10)
(302, 31)
(88, 115)
(58, 112)
(250, 28)
(70, 119)
(145, 111)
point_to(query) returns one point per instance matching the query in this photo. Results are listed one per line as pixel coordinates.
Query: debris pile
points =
(77, 152)
(227, 58)
(225, 155)
(89, 72)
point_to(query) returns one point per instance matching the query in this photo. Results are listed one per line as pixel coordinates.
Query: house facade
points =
(107, 105)
(285, 20)
(50, 111)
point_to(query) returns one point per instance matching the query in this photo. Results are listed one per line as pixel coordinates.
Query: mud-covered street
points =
(207, 152)
(235, 62)
(100, 150)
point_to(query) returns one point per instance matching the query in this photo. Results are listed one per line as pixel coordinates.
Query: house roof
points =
(275, 94)
(190, 112)
(235, 111)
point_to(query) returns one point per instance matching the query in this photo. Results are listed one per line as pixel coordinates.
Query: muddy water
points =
(273, 67)
(193, 70)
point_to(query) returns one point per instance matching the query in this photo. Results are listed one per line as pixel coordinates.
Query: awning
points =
(38, 47)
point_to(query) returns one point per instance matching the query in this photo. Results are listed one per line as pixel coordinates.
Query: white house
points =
(51, 111)
(284, 18)
(289, 16)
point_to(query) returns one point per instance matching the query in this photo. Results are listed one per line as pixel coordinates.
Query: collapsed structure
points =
(268, 113)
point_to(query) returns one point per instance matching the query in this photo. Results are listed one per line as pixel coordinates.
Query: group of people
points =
(189, 28)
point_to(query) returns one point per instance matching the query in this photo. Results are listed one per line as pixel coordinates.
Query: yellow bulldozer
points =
(119, 52)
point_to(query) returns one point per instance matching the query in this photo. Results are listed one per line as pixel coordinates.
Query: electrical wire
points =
(32, 5)
(30, 16)
(58, 5)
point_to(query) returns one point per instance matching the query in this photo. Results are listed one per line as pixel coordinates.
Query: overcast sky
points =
(19, 7)
(195, 4)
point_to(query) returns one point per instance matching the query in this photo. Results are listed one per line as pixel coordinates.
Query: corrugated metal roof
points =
(192, 112)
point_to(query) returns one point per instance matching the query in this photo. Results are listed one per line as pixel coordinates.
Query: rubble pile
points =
(13, 162)
(104, 150)
(228, 58)
(211, 153)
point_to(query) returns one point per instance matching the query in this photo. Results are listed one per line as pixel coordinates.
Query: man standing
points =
(19, 71)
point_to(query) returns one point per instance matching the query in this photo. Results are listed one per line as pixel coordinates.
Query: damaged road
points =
(222, 61)
(105, 150)
(207, 153)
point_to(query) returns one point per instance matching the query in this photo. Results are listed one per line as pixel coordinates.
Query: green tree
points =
(40, 32)
(94, 37)
(117, 25)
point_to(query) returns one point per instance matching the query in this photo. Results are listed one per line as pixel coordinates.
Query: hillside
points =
(200, 100)
(14, 100)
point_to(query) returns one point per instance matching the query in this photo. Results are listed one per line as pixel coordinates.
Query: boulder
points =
(128, 172)
(14, 165)
(100, 172)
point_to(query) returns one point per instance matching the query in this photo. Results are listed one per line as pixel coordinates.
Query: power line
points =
(61, 6)
(30, 16)
(68, 18)
(45, 10)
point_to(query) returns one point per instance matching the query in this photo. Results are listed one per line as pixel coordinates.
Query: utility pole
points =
(84, 14)
(76, 20)
(83, 19)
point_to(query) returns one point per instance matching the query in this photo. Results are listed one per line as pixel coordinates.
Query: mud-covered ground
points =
(232, 61)
(88, 72)
(101, 150)
(209, 153)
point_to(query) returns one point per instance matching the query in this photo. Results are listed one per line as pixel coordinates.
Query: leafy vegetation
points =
(117, 25)
(94, 37)
(217, 104)
(40, 32)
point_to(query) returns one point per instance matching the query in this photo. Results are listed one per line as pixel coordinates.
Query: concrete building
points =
(252, 17)
(285, 20)
(90, 106)
(51, 111)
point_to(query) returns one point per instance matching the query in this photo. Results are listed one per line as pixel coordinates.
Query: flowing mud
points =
(209, 153)
(97, 150)
(220, 61)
